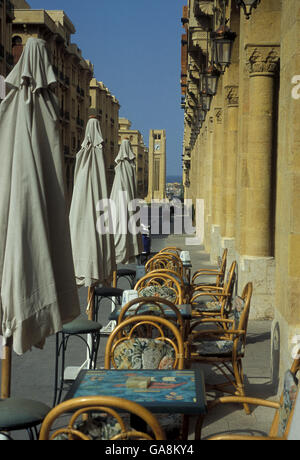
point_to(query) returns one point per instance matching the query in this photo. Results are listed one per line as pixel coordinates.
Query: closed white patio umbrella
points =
(128, 244)
(37, 279)
(93, 250)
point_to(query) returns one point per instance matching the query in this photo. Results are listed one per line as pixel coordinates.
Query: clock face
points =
(157, 147)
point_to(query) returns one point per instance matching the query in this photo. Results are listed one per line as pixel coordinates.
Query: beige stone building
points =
(6, 57)
(157, 165)
(74, 73)
(242, 148)
(141, 152)
(106, 107)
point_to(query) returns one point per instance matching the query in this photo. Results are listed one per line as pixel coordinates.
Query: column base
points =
(215, 243)
(285, 344)
(261, 272)
(228, 243)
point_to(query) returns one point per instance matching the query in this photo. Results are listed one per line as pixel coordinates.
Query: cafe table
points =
(170, 391)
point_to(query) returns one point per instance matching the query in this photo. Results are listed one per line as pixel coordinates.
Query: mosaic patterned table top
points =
(169, 391)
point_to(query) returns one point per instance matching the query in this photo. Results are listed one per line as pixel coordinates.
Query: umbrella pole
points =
(6, 370)
(114, 282)
(91, 303)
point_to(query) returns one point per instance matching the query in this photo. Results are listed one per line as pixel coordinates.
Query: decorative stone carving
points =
(219, 115)
(206, 7)
(262, 59)
(198, 38)
(232, 96)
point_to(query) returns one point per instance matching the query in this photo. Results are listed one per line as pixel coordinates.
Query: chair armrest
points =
(208, 288)
(244, 400)
(213, 295)
(233, 437)
(221, 334)
(207, 271)
(217, 289)
(239, 400)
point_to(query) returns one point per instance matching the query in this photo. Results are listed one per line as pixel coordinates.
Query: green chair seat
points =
(18, 414)
(81, 326)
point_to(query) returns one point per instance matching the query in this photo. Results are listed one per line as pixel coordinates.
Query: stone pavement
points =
(33, 373)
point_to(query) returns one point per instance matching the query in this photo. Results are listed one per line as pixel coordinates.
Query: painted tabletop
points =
(170, 391)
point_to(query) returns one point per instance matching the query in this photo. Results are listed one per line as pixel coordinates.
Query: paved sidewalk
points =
(256, 364)
(33, 373)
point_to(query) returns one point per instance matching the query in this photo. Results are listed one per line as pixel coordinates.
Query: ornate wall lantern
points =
(247, 6)
(223, 39)
(206, 99)
(201, 115)
(210, 80)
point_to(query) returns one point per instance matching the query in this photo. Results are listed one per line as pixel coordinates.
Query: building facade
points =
(106, 108)
(74, 73)
(141, 152)
(157, 165)
(6, 57)
(242, 148)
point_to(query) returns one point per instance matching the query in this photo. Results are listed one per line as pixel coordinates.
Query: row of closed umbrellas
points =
(45, 252)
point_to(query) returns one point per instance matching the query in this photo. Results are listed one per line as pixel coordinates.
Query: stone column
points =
(209, 184)
(256, 259)
(217, 193)
(262, 66)
(230, 167)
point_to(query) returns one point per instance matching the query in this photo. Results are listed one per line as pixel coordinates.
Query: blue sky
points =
(135, 48)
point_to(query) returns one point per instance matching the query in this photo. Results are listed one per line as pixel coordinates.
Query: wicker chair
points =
(149, 342)
(109, 425)
(152, 306)
(162, 351)
(165, 261)
(216, 276)
(284, 410)
(163, 284)
(172, 249)
(223, 348)
(213, 301)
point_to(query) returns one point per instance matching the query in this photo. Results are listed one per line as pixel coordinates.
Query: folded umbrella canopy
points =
(37, 279)
(93, 250)
(128, 240)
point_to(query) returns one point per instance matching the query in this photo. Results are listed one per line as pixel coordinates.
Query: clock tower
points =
(157, 165)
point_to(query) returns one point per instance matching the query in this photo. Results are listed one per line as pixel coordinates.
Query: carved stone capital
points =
(262, 59)
(232, 96)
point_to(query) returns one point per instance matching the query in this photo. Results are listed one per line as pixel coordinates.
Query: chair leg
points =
(239, 377)
(198, 427)
(94, 349)
(60, 348)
